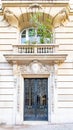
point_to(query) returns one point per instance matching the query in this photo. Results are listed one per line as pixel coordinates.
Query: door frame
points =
(21, 72)
(22, 84)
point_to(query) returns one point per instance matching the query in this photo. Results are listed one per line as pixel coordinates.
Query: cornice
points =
(26, 58)
(25, 4)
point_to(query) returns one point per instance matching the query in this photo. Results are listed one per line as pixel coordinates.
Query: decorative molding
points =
(19, 18)
(35, 67)
(61, 18)
(52, 88)
(55, 87)
(15, 70)
(11, 17)
(26, 58)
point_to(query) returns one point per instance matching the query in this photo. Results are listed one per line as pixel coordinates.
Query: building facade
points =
(36, 80)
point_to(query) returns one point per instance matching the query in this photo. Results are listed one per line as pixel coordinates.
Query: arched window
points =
(31, 35)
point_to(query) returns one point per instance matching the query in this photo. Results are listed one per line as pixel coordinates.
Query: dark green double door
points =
(36, 99)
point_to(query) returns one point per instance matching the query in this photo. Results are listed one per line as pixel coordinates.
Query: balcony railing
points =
(35, 49)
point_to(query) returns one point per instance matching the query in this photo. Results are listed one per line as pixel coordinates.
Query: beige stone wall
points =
(8, 36)
(64, 37)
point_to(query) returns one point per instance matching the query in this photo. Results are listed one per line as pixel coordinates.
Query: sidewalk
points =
(39, 127)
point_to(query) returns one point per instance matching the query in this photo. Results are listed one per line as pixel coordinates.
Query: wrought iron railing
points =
(35, 49)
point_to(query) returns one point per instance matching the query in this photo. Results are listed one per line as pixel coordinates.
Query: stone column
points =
(52, 89)
(16, 73)
(53, 85)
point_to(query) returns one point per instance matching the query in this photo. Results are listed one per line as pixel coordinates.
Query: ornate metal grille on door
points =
(36, 99)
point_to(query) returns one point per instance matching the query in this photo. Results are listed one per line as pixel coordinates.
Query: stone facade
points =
(56, 63)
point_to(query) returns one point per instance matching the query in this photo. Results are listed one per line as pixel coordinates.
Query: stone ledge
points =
(27, 58)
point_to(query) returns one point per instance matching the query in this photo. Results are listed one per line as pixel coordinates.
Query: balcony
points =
(45, 53)
(35, 49)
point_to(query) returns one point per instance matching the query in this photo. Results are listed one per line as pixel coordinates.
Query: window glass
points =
(31, 35)
(23, 37)
(38, 37)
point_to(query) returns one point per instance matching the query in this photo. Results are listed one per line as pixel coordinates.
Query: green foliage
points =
(43, 30)
(34, 19)
(31, 32)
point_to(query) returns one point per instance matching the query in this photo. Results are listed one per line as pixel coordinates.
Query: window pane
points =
(23, 37)
(31, 35)
(31, 32)
(38, 39)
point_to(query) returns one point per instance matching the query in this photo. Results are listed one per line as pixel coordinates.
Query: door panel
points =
(35, 99)
(29, 104)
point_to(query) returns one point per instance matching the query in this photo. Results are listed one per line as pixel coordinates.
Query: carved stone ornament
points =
(21, 20)
(35, 67)
(61, 18)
